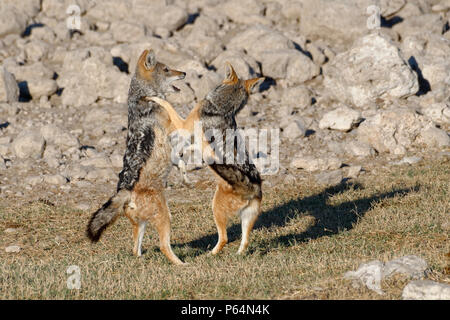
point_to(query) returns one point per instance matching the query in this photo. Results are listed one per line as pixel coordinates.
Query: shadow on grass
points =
(329, 219)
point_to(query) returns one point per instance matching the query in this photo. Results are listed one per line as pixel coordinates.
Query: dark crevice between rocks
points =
(389, 23)
(446, 27)
(29, 28)
(267, 83)
(59, 92)
(122, 65)
(424, 84)
(299, 48)
(24, 95)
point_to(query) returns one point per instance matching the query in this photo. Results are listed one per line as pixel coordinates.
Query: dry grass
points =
(306, 239)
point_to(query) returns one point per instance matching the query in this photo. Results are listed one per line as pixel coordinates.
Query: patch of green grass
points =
(307, 237)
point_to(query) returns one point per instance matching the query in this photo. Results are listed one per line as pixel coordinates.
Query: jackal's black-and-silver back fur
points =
(219, 111)
(150, 79)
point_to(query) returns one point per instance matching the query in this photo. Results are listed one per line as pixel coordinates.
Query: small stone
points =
(409, 160)
(55, 179)
(59, 239)
(34, 180)
(353, 171)
(83, 206)
(12, 249)
(310, 163)
(411, 266)
(329, 178)
(426, 290)
(368, 274)
(341, 119)
(99, 161)
(101, 174)
(295, 130)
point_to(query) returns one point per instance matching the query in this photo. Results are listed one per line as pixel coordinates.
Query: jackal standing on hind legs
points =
(239, 183)
(146, 163)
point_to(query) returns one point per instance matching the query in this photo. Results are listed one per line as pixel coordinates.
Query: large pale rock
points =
(127, 31)
(29, 144)
(58, 136)
(341, 119)
(359, 149)
(12, 20)
(245, 66)
(58, 8)
(296, 96)
(9, 91)
(392, 130)
(373, 68)
(249, 12)
(339, 21)
(277, 54)
(30, 72)
(27, 8)
(203, 38)
(169, 17)
(426, 290)
(390, 7)
(411, 266)
(438, 112)
(288, 64)
(89, 74)
(431, 22)
(435, 137)
(368, 274)
(109, 11)
(41, 87)
(35, 50)
(428, 54)
(259, 38)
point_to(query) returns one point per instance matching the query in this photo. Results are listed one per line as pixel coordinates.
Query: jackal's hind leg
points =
(249, 214)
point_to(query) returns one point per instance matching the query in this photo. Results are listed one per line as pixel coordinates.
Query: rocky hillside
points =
(349, 90)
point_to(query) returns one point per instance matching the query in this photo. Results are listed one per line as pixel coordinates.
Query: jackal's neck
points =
(137, 106)
(140, 89)
(225, 101)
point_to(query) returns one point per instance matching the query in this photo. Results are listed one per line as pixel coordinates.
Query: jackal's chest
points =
(157, 167)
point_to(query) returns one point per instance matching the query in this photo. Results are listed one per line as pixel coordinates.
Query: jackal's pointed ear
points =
(252, 83)
(230, 74)
(147, 59)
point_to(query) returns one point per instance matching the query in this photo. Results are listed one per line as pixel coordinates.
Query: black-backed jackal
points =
(238, 184)
(146, 163)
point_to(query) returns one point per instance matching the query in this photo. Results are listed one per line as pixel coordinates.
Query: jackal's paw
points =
(215, 251)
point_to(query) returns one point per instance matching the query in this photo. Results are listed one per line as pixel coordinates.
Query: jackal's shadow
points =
(329, 219)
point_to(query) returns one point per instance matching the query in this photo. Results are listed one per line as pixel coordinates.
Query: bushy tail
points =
(107, 214)
(244, 178)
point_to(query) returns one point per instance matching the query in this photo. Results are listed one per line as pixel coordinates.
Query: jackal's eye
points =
(166, 69)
